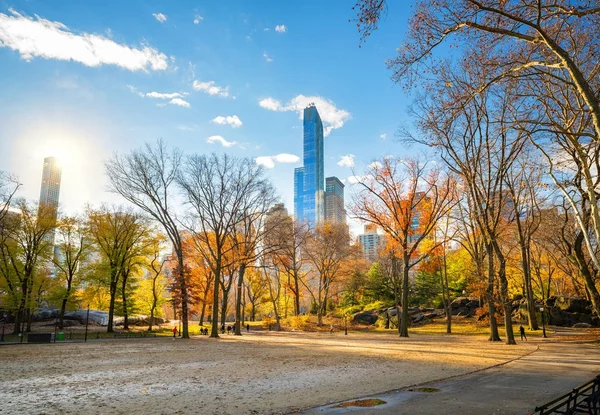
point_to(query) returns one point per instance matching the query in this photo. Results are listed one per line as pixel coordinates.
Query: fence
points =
(582, 400)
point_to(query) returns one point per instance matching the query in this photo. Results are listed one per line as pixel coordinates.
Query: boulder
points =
(582, 325)
(365, 317)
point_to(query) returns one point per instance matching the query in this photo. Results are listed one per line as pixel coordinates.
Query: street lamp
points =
(345, 324)
(543, 323)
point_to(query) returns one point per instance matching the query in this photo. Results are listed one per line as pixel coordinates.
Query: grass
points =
(425, 390)
(362, 403)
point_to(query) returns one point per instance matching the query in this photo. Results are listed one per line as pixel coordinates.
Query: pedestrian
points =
(228, 329)
(331, 329)
(522, 331)
(223, 329)
(247, 327)
(174, 332)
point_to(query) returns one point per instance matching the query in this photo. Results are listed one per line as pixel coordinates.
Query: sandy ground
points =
(253, 374)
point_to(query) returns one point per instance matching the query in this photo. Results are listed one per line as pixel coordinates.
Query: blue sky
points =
(82, 79)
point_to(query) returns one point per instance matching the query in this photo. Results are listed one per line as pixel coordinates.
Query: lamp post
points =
(543, 323)
(87, 319)
(345, 324)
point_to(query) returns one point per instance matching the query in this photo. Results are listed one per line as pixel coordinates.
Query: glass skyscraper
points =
(312, 207)
(299, 193)
(334, 201)
(50, 189)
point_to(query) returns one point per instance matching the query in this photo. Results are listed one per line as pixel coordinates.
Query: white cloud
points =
(271, 104)
(160, 17)
(267, 58)
(375, 165)
(233, 120)
(346, 161)
(280, 28)
(269, 161)
(331, 116)
(383, 136)
(358, 179)
(38, 37)
(161, 95)
(179, 102)
(218, 139)
(211, 88)
(198, 19)
(266, 29)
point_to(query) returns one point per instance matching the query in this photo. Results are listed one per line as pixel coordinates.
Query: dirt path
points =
(256, 373)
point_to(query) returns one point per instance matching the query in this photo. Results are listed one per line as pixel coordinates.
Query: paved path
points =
(516, 387)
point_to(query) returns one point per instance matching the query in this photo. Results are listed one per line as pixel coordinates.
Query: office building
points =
(299, 193)
(334, 201)
(312, 208)
(371, 243)
(50, 190)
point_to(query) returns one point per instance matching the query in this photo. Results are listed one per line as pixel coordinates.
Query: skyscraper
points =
(334, 201)
(299, 193)
(371, 243)
(312, 208)
(50, 190)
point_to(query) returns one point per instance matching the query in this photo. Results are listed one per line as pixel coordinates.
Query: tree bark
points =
(238, 300)
(404, 320)
(494, 335)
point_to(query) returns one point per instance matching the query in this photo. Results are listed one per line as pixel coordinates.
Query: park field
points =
(257, 373)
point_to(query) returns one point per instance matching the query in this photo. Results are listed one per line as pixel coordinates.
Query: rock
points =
(365, 317)
(417, 318)
(429, 316)
(582, 326)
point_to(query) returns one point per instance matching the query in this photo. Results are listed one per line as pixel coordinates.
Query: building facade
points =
(310, 208)
(334, 201)
(299, 193)
(371, 243)
(50, 189)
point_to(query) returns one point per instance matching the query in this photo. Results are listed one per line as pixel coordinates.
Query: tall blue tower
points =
(310, 207)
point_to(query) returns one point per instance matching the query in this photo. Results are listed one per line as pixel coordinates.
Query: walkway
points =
(514, 388)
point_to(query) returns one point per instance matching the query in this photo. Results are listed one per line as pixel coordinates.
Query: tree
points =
(146, 178)
(217, 189)
(73, 245)
(24, 245)
(150, 292)
(406, 200)
(326, 250)
(256, 290)
(9, 185)
(120, 235)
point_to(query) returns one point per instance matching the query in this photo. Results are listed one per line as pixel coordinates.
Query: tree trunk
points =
(111, 307)
(214, 330)
(585, 273)
(296, 294)
(510, 337)
(224, 306)
(494, 335)
(531, 316)
(184, 294)
(404, 320)
(124, 300)
(202, 314)
(238, 300)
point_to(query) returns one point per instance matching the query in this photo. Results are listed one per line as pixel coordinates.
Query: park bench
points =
(582, 400)
(39, 338)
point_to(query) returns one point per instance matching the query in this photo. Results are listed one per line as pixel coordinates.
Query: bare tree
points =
(146, 178)
(9, 185)
(217, 188)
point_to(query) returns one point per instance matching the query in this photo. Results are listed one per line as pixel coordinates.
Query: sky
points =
(82, 80)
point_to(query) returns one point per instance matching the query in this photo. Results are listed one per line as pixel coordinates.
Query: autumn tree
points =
(73, 245)
(147, 178)
(25, 247)
(406, 199)
(326, 251)
(120, 235)
(217, 188)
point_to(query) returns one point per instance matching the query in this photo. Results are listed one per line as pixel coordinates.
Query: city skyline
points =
(191, 91)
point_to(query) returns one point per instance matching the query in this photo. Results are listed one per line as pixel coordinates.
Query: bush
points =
(296, 322)
(350, 310)
(376, 305)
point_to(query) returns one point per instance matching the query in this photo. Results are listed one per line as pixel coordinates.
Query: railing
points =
(582, 400)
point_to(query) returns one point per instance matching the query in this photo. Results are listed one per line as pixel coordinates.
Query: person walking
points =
(522, 331)
(247, 327)
(174, 332)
